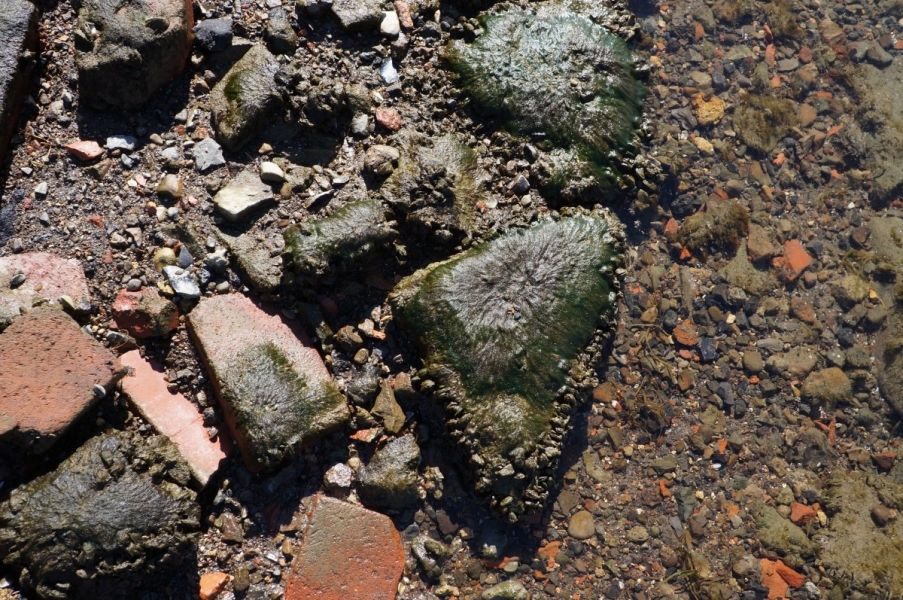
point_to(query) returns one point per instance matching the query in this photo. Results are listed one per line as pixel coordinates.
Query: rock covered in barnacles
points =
(500, 327)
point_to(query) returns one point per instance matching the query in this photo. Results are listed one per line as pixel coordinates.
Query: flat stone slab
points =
(346, 552)
(174, 416)
(274, 389)
(46, 276)
(19, 32)
(242, 196)
(50, 369)
(140, 45)
(104, 512)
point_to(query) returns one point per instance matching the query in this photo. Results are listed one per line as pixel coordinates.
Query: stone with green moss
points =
(437, 183)
(500, 328)
(762, 121)
(116, 510)
(341, 239)
(719, 225)
(554, 72)
(246, 98)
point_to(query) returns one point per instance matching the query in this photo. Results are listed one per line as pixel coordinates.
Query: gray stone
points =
(508, 590)
(259, 269)
(380, 159)
(279, 35)
(389, 480)
(213, 35)
(314, 8)
(242, 196)
(271, 172)
(182, 282)
(357, 15)
(779, 534)
(104, 511)
(19, 32)
(246, 99)
(127, 50)
(390, 25)
(752, 361)
(208, 155)
(121, 142)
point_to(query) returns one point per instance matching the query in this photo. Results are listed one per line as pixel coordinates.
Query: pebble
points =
(121, 142)
(387, 72)
(208, 155)
(40, 190)
(170, 187)
(390, 25)
(271, 172)
(182, 283)
(84, 149)
(582, 526)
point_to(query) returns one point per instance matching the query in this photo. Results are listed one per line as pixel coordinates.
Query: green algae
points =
(500, 326)
(341, 239)
(556, 73)
(275, 409)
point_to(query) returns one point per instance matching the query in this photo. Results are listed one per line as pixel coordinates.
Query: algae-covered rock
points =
(246, 99)
(741, 273)
(344, 237)
(780, 534)
(500, 326)
(761, 121)
(113, 512)
(529, 61)
(437, 183)
(853, 544)
(889, 355)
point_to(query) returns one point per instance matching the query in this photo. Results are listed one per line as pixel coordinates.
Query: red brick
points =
(346, 552)
(796, 259)
(46, 276)
(84, 149)
(174, 416)
(212, 584)
(50, 367)
(229, 329)
(145, 313)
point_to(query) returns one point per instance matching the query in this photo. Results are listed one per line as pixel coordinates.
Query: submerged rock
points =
(113, 512)
(762, 121)
(344, 237)
(500, 326)
(244, 101)
(437, 183)
(125, 50)
(530, 60)
(853, 543)
(274, 389)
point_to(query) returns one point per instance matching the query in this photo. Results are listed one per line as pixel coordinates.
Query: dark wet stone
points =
(19, 32)
(279, 35)
(343, 238)
(498, 326)
(389, 480)
(246, 98)
(707, 351)
(213, 35)
(127, 50)
(527, 61)
(110, 514)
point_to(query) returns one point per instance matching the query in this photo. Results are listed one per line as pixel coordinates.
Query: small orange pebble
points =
(779, 159)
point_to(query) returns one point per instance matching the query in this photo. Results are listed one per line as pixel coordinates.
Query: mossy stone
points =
(500, 325)
(720, 224)
(341, 239)
(529, 60)
(246, 98)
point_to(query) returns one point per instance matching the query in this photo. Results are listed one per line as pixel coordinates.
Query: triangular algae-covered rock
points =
(500, 327)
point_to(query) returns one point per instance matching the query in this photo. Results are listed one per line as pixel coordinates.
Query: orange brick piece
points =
(796, 259)
(212, 584)
(346, 552)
